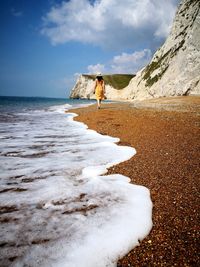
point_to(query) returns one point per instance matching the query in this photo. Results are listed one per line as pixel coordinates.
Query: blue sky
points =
(46, 44)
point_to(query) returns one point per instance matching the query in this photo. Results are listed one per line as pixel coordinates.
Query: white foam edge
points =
(126, 228)
(129, 223)
(65, 107)
(97, 173)
(97, 170)
(92, 171)
(71, 117)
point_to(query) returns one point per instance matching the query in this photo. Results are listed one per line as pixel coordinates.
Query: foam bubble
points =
(66, 107)
(58, 208)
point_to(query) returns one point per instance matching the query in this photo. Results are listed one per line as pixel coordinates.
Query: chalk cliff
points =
(114, 83)
(174, 69)
(83, 88)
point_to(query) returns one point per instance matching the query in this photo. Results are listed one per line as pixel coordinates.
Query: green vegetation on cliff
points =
(117, 81)
(161, 63)
(152, 67)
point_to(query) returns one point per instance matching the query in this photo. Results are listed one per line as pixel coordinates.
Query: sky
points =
(46, 44)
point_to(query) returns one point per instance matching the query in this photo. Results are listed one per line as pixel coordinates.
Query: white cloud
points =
(124, 63)
(96, 68)
(112, 23)
(131, 63)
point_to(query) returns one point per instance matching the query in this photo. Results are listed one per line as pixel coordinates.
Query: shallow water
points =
(56, 207)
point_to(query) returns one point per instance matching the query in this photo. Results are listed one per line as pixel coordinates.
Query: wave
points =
(57, 206)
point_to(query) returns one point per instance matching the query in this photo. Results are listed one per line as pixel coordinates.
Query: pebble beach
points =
(165, 134)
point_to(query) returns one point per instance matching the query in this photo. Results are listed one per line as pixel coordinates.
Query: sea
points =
(57, 205)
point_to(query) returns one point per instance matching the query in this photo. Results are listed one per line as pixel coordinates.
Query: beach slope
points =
(165, 134)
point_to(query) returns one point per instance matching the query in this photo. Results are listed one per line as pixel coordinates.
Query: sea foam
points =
(58, 207)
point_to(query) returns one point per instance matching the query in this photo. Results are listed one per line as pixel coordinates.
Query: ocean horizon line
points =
(49, 97)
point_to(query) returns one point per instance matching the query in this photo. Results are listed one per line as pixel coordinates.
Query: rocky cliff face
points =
(84, 87)
(174, 69)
